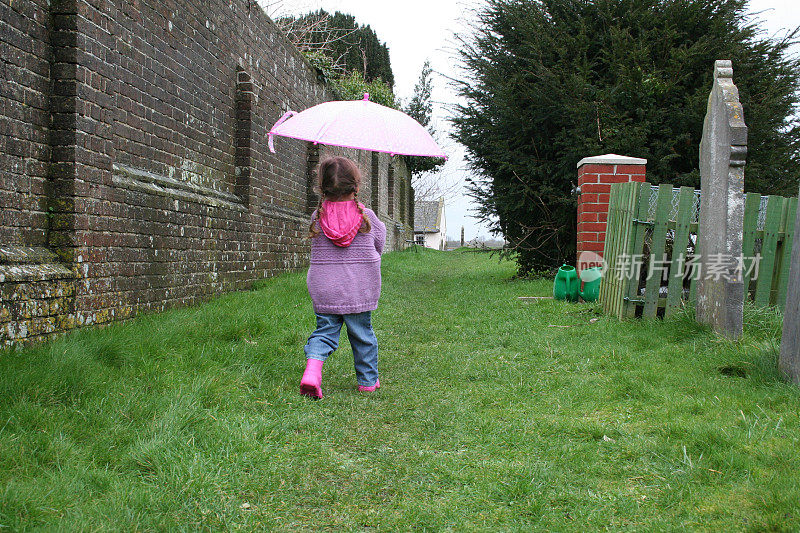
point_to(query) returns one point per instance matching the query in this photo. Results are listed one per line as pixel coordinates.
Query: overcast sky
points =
(416, 30)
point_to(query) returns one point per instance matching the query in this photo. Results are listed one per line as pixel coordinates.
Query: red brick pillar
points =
(595, 176)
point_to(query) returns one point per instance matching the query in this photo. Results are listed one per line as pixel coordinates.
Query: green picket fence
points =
(650, 248)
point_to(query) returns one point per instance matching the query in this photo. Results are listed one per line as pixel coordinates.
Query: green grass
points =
(488, 418)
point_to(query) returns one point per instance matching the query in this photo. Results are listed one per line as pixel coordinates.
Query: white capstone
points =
(611, 159)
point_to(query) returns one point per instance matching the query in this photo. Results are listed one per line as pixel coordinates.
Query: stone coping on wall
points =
(274, 211)
(26, 255)
(22, 273)
(30, 263)
(611, 159)
(150, 182)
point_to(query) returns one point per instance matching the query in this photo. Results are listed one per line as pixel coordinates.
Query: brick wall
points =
(136, 175)
(399, 228)
(24, 117)
(595, 176)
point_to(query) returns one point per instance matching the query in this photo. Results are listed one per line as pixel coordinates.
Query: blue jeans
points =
(325, 340)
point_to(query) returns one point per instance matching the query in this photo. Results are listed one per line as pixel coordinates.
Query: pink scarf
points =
(340, 221)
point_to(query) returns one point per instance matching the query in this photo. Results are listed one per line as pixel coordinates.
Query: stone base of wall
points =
(37, 295)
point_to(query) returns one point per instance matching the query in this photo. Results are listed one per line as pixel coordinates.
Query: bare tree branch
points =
(309, 34)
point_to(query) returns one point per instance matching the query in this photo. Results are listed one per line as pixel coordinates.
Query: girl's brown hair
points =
(337, 177)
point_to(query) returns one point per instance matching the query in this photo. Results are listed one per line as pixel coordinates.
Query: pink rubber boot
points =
(311, 383)
(377, 385)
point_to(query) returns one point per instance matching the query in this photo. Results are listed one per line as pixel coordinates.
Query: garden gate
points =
(651, 257)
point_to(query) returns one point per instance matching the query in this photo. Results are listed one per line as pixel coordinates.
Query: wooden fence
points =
(650, 250)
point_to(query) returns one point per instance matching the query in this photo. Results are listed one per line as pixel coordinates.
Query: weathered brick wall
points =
(136, 174)
(24, 116)
(399, 229)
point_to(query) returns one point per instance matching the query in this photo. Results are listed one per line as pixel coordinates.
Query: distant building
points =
(430, 226)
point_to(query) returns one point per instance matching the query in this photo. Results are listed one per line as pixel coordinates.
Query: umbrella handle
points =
(270, 135)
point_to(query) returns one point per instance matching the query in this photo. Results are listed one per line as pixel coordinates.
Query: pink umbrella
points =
(358, 124)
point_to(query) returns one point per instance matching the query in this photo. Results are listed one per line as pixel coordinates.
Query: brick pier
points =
(595, 176)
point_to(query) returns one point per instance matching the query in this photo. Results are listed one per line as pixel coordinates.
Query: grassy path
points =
(489, 418)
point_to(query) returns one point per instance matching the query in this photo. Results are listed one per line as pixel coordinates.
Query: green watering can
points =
(565, 286)
(590, 278)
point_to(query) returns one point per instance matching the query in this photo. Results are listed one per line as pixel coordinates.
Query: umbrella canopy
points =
(358, 124)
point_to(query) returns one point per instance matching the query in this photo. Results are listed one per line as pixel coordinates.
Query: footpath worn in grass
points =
(489, 417)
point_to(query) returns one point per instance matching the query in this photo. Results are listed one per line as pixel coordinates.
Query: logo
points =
(588, 259)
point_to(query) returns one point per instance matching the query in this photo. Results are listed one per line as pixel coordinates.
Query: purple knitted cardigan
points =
(343, 281)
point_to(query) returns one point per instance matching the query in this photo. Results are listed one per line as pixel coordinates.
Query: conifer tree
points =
(548, 82)
(420, 108)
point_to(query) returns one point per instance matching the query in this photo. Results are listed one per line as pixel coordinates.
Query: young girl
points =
(344, 277)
